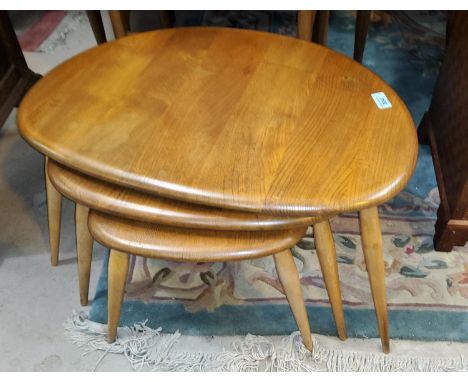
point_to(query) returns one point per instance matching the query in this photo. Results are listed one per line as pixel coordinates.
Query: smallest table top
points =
(223, 117)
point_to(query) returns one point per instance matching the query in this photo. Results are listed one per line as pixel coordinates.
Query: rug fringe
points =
(150, 349)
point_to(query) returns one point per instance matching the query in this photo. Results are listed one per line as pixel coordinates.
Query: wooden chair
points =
(120, 21)
(447, 128)
(313, 26)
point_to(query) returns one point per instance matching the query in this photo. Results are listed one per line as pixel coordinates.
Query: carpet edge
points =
(149, 349)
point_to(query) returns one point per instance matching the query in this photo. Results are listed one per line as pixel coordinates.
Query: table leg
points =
(84, 250)
(371, 237)
(327, 257)
(54, 213)
(289, 278)
(117, 277)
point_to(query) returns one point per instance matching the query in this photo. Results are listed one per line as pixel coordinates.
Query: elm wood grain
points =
(132, 204)
(88, 192)
(84, 251)
(229, 118)
(326, 253)
(107, 198)
(166, 243)
(371, 237)
(291, 282)
(116, 280)
(180, 244)
(287, 273)
(54, 215)
(78, 188)
(305, 23)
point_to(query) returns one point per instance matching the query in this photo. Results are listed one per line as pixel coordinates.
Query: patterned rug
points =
(427, 290)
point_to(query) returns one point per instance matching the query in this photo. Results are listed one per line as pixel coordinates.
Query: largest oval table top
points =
(225, 117)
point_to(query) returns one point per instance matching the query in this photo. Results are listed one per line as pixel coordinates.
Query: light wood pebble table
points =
(206, 144)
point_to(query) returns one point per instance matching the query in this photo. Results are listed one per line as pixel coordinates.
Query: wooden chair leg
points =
(120, 21)
(84, 251)
(327, 257)
(305, 24)
(167, 19)
(95, 20)
(362, 26)
(371, 237)
(117, 277)
(289, 278)
(54, 217)
(320, 30)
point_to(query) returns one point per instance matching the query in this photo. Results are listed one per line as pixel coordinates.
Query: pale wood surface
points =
(84, 251)
(289, 278)
(117, 278)
(224, 117)
(136, 205)
(54, 216)
(326, 253)
(179, 244)
(372, 246)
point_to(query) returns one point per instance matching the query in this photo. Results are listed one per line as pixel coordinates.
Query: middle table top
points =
(225, 117)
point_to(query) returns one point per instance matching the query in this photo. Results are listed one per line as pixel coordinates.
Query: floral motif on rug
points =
(416, 277)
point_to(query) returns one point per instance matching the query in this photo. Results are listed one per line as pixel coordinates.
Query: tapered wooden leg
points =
(54, 215)
(327, 257)
(305, 23)
(289, 278)
(117, 276)
(360, 35)
(84, 251)
(372, 246)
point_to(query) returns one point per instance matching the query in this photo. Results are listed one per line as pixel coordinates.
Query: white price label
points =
(381, 100)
